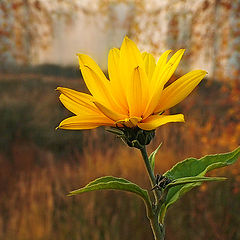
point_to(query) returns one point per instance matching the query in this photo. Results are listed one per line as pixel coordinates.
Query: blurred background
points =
(39, 40)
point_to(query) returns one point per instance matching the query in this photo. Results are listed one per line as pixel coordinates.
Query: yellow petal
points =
(85, 122)
(179, 89)
(76, 108)
(155, 121)
(160, 77)
(82, 99)
(129, 122)
(109, 113)
(159, 68)
(100, 90)
(86, 60)
(113, 64)
(115, 80)
(150, 64)
(96, 82)
(151, 105)
(171, 66)
(130, 58)
(137, 93)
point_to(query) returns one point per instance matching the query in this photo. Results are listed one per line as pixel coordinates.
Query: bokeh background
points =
(39, 40)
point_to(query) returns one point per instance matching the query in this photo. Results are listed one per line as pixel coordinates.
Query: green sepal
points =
(115, 130)
(193, 167)
(113, 183)
(152, 157)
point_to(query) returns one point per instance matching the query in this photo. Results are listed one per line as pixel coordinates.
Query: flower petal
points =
(179, 89)
(115, 81)
(138, 93)
(85, 122)
(160, 77)
(81, 99)
(159, 69)
(74, 107)
(153, 83)
(109, 113)
(130, 58)
(113, 64)
(129, 122)
(150, 64)
(101, 90)
(96, 82)
(155, 121)
(170, 67)
(86, 60)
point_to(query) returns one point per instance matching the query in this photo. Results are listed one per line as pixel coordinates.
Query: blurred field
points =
(39, 165)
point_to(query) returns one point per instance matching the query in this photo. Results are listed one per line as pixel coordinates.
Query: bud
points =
(133, 137)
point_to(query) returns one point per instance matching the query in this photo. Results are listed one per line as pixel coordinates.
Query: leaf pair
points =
(185, 175)
(190, 173)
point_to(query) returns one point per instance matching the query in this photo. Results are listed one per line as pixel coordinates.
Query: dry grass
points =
(39, 166)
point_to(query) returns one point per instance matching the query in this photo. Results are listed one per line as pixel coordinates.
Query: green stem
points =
(157, 228)
(150, 173)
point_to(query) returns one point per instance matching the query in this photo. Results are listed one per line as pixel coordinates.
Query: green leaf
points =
(152, 157)
(113, 183)
(193, 167)
(187, 180)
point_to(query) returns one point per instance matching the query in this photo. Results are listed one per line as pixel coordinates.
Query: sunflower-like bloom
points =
(133, 96)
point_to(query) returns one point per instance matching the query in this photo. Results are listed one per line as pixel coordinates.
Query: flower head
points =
(134, 95)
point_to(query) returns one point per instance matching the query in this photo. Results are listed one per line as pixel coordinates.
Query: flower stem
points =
(157, 228)
(157, 194)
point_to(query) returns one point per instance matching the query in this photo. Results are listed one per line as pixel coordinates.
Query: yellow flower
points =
(133, 96)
